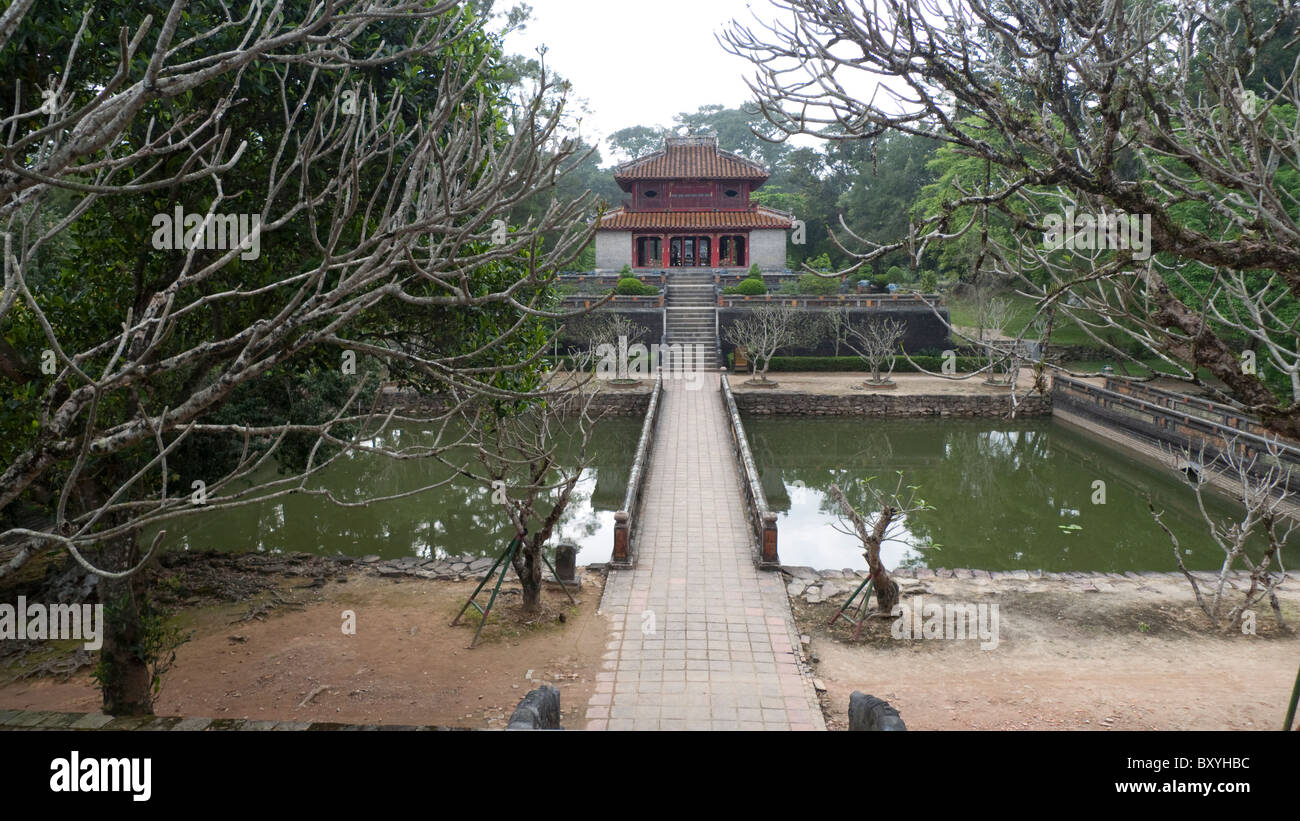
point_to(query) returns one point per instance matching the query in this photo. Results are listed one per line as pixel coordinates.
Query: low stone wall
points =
(761, 403)
(762, 519)
(819, 585)
(610, 401)
(11, 720)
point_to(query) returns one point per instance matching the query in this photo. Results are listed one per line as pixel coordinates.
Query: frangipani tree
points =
(224, 229)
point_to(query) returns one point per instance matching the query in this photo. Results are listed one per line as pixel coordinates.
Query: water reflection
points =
(1007, 495)
(455, 518)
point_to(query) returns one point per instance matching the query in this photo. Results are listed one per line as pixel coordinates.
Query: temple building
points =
(689, 207)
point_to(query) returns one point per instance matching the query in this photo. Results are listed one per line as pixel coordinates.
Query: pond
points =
(1007, 495)
(453, 519)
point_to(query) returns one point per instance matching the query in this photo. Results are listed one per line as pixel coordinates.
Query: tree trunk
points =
(886, 588)
(530, 576)
(886, 591)
(124, 672)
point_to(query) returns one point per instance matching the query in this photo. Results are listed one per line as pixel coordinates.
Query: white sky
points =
(639, 62)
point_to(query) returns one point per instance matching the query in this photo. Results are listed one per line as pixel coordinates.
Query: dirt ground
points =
(1128, 657)
(404, 665)
(1079, 655)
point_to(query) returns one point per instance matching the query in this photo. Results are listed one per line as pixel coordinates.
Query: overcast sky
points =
(639, 62)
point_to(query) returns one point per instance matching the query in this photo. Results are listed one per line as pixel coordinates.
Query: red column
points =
(663, 250)
(713, 251)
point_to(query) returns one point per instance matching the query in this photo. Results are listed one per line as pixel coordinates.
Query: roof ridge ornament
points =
(691, 139)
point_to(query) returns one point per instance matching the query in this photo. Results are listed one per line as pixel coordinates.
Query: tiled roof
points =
(691, 158)
(622, 220)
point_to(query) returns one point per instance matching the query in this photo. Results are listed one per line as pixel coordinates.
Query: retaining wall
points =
(884, 403)
(609, 401)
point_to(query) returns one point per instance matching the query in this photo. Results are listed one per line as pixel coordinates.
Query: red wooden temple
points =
(689, 207)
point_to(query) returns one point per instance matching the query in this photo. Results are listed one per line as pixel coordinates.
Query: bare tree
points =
(386, 254)
(875, 341)
(764, 330)
(881, 519)
(837, 324)
(1260, 482)
(995, 314)
(613, 333)
(531, 462)
(1155, 134)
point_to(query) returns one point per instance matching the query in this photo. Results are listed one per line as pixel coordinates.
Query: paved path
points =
(700, 639)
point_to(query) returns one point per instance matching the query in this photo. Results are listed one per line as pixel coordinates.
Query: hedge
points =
(631, 286)
(813, 284)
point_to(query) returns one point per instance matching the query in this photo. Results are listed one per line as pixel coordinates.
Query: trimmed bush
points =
(896, 274)
(625, 271)
(819, 286)
(631, 286)
(751, 287)
(789, 288)
(755, 272)
(929, 281)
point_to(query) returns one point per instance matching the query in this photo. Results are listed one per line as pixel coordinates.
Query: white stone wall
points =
(613, 250)
(767, 248)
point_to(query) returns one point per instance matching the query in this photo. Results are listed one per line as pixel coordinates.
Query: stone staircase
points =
(692, 316)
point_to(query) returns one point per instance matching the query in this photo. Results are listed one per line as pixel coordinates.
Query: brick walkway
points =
(700, 639)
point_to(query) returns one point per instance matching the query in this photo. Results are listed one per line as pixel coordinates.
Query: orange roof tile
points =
(622, 220)
(691, 158)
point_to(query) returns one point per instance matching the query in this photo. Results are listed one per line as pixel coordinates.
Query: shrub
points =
(821, 262)
(880, 280)
(896, 274)
(625, 271)
(789, 288)
(631, 286)
(751, 287)
(813, 284)
(929, 281)
(755, 271)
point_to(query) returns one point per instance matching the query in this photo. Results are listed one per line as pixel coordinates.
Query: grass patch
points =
(962, 311)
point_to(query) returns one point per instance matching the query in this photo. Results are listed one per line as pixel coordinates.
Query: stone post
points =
(566, 560)
(621, 538)
(769, 538)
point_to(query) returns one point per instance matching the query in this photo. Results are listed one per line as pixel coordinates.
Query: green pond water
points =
(450, 520)
(1007, 495)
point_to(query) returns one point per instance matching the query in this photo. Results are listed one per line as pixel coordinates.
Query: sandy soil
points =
(1128, 657)
(403, 666)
